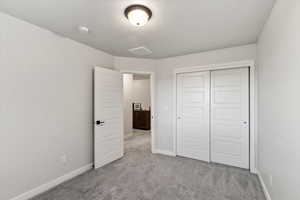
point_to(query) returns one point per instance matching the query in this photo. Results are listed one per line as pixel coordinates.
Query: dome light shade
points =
(138, 15)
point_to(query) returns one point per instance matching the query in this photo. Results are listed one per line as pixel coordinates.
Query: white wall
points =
(127, 102)
(45, 105)
(142, 93)
(164, 85)
(279, 97)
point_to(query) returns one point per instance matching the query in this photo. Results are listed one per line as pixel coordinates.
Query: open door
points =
(108, 116)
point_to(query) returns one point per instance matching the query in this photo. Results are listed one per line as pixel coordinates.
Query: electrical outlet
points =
(63, 158)
(271, 180)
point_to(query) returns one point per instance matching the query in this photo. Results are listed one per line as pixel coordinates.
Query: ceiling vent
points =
(140, 51)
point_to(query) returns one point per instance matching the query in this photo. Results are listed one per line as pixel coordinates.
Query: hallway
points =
(137, 141)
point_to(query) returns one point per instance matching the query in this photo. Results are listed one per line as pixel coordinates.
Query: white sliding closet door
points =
(230, 117)
(193, 115)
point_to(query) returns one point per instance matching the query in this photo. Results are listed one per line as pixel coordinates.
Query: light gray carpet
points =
(141, 175)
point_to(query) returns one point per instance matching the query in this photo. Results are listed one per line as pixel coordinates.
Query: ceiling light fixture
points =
(138, 15)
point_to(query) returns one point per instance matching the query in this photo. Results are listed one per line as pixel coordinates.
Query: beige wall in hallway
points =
(142, 93)
(127, 102)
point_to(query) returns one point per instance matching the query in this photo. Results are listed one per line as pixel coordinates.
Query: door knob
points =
(245, 122)
(98, 122)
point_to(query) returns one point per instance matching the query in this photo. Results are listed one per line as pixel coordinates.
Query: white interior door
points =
(193, 115)
(230, 117)
(108, 116)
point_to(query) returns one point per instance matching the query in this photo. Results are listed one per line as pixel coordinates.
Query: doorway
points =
(110, 119)
(138, 111)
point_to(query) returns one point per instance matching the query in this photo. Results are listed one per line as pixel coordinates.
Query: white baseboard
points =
(51, 184)
(163, 152)
(264, 187)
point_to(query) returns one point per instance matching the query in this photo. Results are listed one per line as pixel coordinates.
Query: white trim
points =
(264, 187)
(253, 101)
(253, 119)
(164, 152)
(231, 65)
(53, 183)
(174, 121)
(153, 116)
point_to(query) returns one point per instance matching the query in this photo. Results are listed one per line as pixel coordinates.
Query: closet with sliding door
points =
(213, 116)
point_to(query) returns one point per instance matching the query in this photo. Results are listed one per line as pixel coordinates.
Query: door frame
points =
(253, 101)
(152, 94)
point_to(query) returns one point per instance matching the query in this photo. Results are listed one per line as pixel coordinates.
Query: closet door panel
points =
(230, 117)
(193, 115)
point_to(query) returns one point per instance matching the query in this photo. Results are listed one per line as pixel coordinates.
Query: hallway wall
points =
(142, 93)
(127, 102)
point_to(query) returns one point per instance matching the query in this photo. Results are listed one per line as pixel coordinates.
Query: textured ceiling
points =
(177, 27)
